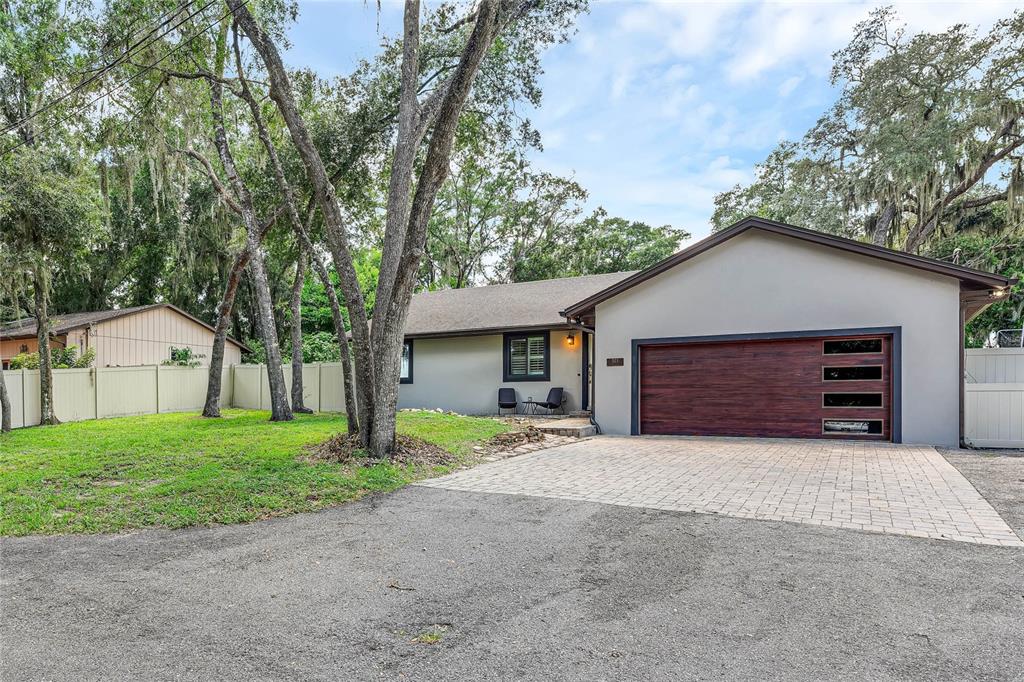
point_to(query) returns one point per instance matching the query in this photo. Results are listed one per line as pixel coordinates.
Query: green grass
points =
(176, 470)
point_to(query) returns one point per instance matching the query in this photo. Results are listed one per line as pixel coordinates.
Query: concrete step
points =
(572, 427)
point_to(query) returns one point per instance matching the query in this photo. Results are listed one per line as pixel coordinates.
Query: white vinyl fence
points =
(323, 389)
(994, 400)
(994, 397)
(96, 393)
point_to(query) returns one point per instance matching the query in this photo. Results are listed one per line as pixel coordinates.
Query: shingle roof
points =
(62, 324)
(501, 306)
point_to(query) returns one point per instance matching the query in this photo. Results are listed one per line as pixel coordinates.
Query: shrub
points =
(182, 357)
(60, 358)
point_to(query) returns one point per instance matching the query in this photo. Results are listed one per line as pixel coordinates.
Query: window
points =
(406, 375)
(853, 427)
(866, 373)
(851, 400)
(851, 346)
(527, 357)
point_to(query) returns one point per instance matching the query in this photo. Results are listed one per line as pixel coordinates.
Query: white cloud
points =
(789, 85)
(688, 96)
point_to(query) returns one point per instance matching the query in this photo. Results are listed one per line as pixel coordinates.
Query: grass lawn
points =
(175, 470)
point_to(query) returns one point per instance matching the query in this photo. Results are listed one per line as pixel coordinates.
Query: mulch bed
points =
(345, 449)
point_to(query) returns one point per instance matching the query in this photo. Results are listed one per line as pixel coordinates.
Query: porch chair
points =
(507, 400)
(554, 401)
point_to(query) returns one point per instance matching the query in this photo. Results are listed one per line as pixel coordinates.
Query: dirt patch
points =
(345, 449)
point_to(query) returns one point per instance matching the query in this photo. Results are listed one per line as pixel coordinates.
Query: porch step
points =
(573, 427)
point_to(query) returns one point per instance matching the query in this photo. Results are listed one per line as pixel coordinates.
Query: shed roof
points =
(62, 324)
(501, 307)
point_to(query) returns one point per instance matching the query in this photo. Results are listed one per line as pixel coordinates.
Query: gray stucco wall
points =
(464, 374)
(759, 282)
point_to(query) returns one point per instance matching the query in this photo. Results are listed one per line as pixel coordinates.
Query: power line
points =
(134, 76)
(105, 49)
(144, 42)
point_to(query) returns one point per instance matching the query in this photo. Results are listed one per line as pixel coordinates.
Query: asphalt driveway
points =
(432, 584)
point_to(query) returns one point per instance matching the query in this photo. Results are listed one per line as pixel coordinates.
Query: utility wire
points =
(134, 76)
(142, 43)
(106, 49)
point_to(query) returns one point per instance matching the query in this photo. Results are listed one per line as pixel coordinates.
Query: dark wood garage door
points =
(824, 387)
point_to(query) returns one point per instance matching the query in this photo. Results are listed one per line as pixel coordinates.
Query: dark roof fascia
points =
(490, 331)
(126, 313)
(978, 279)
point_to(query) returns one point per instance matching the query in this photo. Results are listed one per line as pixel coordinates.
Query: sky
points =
(655, 107)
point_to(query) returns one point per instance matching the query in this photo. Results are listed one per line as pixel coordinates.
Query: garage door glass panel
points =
(853, 373)
(864, 427)
(851, 400)
(853, 346)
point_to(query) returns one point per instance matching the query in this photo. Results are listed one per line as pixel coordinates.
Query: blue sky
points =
(654, 107)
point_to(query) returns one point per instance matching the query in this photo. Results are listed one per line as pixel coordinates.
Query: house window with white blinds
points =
(526, 357)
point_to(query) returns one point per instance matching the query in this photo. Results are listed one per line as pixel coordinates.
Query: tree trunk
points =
(279, 408)
(389, 328)
(227, 303)
(46, 414)
(298, 405)
(880, 232)
(406, 237)
(334, 221)
(5, 405)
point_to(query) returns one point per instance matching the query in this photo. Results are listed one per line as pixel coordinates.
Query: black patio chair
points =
(554, 401)
(507, 400)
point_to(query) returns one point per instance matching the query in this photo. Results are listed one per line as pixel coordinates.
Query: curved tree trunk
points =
(880, 231)
(5, 405)
(347, 376)
(213, 386)
(298, 405)
(46, 414)
(280, 410)
(334, 221)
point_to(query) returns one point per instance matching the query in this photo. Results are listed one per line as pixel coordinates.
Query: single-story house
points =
(143, 335)
(763, 329)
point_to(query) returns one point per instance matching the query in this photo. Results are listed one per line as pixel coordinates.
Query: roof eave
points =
(981, 279)
(487, 331)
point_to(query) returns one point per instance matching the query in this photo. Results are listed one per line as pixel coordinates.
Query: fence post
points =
(24, 401)
(158, 389)
(96, 392)
(319, 387)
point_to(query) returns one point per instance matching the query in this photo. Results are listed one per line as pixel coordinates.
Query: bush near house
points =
(60, 358)
(175, 470)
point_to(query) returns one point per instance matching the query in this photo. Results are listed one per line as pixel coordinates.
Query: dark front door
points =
(822, 387)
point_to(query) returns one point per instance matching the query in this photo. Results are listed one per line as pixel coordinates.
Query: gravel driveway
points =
(433, 584)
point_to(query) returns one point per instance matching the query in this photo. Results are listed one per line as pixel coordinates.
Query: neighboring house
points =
(763, 329)
(121, 338)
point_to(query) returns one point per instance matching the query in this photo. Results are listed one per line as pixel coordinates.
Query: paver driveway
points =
(898, 489)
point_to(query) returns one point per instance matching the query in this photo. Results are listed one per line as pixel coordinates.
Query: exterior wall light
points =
(571, 339)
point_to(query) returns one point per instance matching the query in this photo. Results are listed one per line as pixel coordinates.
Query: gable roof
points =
(970, 279)
(62, 324)
(500, 307)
